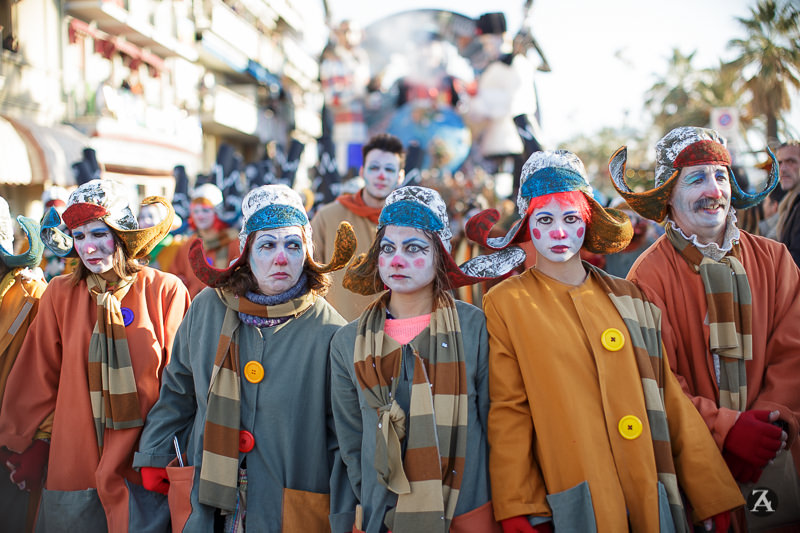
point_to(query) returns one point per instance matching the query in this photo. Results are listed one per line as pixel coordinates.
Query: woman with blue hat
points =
(589, 430)
(245, 403)
(410, 379)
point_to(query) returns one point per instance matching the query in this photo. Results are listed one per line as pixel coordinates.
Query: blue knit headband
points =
(551, 180)
(275, 216)
(411, 214)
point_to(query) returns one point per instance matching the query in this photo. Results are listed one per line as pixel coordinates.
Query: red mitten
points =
(741, 470)
(155, 479)
(518, 524)
(722, 522)
(28, 471)
(753, 438)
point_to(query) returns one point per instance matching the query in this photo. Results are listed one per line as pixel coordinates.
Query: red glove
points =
(155, 479)
(722, 522)
(753, 438)
(741, 470)
(28, 466)
(520, 524)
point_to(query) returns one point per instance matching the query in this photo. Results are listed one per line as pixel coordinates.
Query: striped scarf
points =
(643, 321)
(428, 479)
(218, 245)
(729, 316)
(112, 383)
(220, 463)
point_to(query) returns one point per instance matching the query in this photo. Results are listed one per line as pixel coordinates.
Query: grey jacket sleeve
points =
(175, 409)
(345, 489)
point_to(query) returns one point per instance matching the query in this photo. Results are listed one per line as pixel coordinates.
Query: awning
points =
(35, 154)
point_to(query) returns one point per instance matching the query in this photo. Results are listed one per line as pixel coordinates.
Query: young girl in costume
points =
(410, 380)
(90, 368)
(246, 393)
(589, 430)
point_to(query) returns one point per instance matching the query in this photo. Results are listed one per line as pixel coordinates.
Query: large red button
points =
(246, 441)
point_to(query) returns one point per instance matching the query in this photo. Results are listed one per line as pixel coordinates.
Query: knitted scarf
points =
(729, 316)
(355, 203)
(218, 244)
(112, 383)
(220, 463)
(428, 479)
(643, 320)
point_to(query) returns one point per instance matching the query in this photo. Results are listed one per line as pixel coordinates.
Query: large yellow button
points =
(253, 372)
(612, 339)
(630, 427)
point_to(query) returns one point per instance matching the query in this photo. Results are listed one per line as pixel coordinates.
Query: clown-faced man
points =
(588, 428)
(731, 305)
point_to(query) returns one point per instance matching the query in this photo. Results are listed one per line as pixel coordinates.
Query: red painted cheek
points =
(382, 262)
(419, 263)
(536, 234)
(580, 232)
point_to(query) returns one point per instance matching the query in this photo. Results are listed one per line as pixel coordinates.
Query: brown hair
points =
(369, 267)
(387, 143)
(122, 265)
(243, 281)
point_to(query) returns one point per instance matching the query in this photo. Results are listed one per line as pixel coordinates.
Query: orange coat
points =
(50, 376)
(18, 307)
(557, 398)
(773, 375)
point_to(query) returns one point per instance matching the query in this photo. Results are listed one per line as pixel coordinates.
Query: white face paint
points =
(202, 215)
(557, 232)
(95, 245)
(700, 201)
(277, 257)
(406, 262)
(382, 174)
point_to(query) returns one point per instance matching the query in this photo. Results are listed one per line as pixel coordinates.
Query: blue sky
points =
(604, 54)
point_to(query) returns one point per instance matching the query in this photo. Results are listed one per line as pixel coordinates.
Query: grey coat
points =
(288, 413)
(356, 424)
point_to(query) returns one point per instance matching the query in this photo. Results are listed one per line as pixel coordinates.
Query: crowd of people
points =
(323, 373)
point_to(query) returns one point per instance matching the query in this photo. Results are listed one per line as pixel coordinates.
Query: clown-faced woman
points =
(219, 240)
(90, 368)
(410, 380)
(246, 393)
(589, 430)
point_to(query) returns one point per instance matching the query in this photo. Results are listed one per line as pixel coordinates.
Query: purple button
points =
(209, 261)
(127, 316)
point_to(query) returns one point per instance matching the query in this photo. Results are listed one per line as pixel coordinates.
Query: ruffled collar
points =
(712, 250)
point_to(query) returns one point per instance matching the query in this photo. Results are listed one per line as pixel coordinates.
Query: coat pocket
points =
(305, 511)
(478, 520)
(69, 511)
(181, 480)
(572, 509)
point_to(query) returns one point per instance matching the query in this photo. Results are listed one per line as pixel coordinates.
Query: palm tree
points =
(680, 96)
(769, 59)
